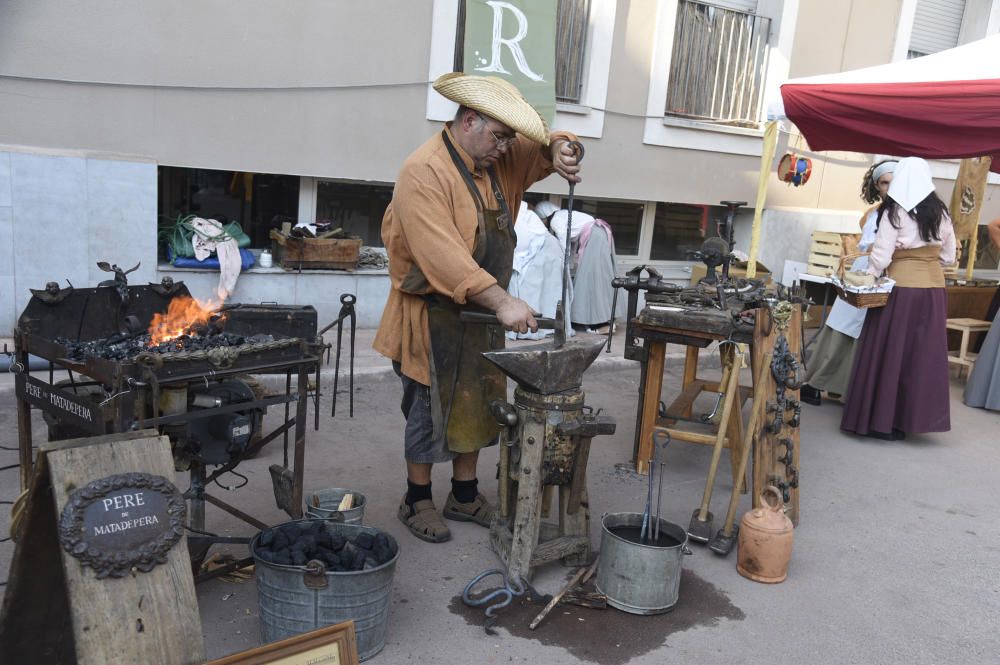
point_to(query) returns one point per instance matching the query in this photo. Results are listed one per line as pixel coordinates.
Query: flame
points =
(183, 313)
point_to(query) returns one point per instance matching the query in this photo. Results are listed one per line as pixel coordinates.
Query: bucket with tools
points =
(640, 566)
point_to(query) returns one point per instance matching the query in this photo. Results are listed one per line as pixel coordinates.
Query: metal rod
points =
(354, 326)
(577, 148)
(235, 512)
(644, 532)
(300, 444)
(288, 392)
(336, 366)
(659, 496)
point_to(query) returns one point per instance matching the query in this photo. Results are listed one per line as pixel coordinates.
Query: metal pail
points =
(640, 578)
(330, 498)
(294, 600)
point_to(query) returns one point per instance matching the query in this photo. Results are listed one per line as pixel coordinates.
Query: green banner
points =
(516, 40)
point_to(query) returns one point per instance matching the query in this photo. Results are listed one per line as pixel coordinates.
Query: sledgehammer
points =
(700, 528)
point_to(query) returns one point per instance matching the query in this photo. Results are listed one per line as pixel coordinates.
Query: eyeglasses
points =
(502, 143)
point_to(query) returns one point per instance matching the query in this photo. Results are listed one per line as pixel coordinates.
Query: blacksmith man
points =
(449, 232)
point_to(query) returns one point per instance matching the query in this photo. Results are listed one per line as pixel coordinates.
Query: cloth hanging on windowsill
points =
(228, 250)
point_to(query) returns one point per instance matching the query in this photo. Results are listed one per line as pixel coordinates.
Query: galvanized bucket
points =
(297, 599)
(330, 498)
(640, 578)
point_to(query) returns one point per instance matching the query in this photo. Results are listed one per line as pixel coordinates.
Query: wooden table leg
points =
(651, 402)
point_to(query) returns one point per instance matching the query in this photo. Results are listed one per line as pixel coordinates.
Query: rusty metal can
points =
(765, 540)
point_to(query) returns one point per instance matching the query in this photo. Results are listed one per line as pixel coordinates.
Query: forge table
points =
(658, 326)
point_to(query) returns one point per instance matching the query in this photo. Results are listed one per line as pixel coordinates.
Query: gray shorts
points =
(419, 444)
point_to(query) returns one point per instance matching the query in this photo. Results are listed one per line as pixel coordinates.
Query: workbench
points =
(659, 326)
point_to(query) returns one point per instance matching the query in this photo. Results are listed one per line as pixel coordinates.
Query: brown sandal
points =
(423, 521)
(480, 510)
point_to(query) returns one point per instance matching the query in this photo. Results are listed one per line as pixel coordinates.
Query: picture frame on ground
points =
(332, 645)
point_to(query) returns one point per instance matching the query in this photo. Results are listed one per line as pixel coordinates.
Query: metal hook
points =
(511, 587)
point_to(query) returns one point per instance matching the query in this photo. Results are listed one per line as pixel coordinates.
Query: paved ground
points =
(896, 559)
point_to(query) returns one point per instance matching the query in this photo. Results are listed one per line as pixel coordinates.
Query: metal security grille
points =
(572, 20)
(936, 25)
(718, 64)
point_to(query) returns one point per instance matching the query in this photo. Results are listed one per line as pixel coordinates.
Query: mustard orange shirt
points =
(431, 223)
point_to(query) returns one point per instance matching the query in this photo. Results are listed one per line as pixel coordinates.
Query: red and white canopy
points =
(945, 105)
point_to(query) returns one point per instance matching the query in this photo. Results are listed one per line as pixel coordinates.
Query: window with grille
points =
(718, 64)
(572, 19)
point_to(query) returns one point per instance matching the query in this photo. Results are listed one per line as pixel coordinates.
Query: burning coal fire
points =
(185, 315)
(187, 325)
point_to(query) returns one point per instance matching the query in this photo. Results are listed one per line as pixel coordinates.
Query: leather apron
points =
(918, 268)
(463, 383)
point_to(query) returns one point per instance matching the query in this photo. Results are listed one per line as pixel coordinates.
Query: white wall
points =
(62, 213)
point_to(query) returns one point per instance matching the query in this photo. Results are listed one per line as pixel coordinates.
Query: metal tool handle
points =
(561, 338)
(484, 317)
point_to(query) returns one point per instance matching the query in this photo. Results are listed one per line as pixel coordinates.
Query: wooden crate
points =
(826, 249)
(315, 253)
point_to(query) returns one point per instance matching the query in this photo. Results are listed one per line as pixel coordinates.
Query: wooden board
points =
(766, 449)
(826, 236)
(143, 617)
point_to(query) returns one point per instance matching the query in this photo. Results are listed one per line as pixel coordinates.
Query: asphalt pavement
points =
(896, 557)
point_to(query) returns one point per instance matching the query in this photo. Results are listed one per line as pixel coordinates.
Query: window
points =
(987, 254)
(258, 201)
(572, 20)
(356, 208)
(678, 229)
(718, 64)
(936, 26)
(625, 218)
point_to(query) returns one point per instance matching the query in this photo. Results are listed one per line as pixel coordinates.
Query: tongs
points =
(651, 532)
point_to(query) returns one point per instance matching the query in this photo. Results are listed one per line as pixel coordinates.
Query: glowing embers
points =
(185, 316)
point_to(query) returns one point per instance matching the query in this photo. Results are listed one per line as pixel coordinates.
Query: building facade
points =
(118, 116)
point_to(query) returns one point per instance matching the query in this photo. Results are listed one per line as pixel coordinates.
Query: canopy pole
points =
(971, 259)
(766, 159)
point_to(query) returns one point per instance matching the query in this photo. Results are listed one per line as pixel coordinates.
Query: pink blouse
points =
(889, 239)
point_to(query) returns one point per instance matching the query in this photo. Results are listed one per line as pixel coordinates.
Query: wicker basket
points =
(867, 300)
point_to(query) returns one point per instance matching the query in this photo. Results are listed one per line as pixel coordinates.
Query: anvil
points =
(547, 368)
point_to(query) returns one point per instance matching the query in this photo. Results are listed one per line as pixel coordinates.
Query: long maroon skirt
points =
(900, 374)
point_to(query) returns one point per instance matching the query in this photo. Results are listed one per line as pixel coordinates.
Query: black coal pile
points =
(296, 543)
(122, 346)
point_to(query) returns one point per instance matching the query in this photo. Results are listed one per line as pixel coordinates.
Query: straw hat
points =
(497, 98)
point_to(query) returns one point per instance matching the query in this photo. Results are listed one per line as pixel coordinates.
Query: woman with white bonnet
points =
(899, 381)
(833, 355)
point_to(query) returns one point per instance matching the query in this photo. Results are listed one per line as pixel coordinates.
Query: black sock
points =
(416, 493)
(465, 491)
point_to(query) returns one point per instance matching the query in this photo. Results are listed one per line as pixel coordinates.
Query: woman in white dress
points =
(830, 362)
